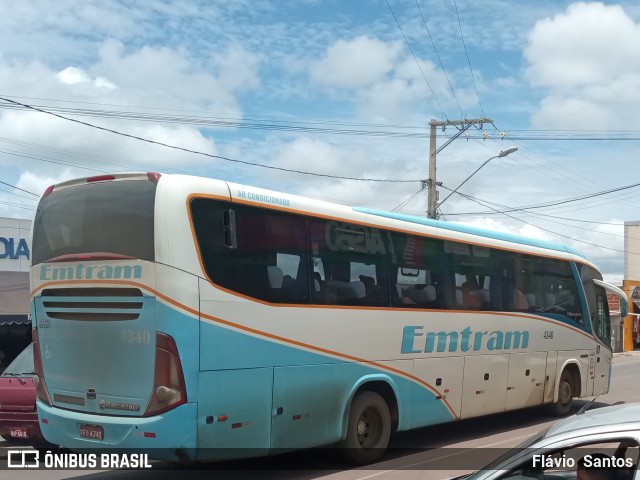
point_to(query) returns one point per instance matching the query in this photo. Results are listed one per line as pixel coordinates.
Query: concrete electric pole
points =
(431, 182)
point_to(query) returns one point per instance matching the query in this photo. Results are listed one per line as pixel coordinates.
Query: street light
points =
(504, 153)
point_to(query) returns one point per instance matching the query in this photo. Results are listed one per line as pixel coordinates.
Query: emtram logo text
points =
(415, 340)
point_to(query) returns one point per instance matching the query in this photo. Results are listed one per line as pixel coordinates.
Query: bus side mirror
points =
(624, 303)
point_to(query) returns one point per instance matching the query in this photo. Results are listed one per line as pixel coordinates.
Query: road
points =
(431, 453)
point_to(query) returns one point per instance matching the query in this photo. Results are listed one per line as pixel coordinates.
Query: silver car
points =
(599, 444)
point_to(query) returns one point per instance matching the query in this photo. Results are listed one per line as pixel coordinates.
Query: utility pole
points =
(464, 124)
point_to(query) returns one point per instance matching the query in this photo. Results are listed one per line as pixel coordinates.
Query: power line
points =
(18, 188)
(243, 162)
(33, 157)
(404, 203)
(546, 215)
(416, 60)
(104, 160)
(444, 70)
(546, 218)
(19, 205)
(468, 61)
(236, 121)
(215, 122)
(557, 165)
(546, 229)
(551, 204)
(314, 127)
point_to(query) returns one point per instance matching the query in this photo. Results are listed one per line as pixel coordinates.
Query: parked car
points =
(18, 416)
(604, 441)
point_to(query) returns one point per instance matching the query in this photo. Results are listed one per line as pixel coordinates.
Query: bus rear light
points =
(38, 378)
(48, 190)
(100, 178)
(169, 389)
(154, 177)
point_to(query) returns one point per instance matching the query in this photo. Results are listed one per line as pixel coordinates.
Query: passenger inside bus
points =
(470, 296)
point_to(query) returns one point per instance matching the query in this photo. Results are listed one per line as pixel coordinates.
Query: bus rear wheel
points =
(565, 395)
(368, 429)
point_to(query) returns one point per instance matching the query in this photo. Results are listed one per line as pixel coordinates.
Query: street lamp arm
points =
(500, 155)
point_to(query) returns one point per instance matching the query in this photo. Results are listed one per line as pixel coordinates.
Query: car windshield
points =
(22, 365)
(510, 454)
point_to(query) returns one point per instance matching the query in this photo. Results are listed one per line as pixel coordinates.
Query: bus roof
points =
(453, 227)
(458, 227)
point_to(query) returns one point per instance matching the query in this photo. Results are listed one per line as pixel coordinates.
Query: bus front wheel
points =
(565, 395)
(368, 429)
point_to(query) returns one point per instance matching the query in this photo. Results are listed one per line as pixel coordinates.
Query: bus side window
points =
(558, 288)
(350, 264)
(256, 252)
(415, 280)
(471, 270)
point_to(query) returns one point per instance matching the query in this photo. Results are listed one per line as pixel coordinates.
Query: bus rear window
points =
(112, 217)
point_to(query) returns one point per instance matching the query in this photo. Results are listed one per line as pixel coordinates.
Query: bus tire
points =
(368, 429)
(565, 395)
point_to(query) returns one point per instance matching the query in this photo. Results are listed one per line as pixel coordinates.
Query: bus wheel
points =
(565, 395)
(368, 429)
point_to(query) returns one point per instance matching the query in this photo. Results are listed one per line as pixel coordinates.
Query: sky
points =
(251, 91)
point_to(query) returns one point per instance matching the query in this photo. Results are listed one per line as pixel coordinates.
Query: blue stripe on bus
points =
(336, 378)
(245, 378)
(169, 436)
(457, 227)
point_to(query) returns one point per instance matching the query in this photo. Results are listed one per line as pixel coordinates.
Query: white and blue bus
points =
(202, 319)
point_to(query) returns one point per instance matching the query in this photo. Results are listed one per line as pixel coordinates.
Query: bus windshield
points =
(114, 217)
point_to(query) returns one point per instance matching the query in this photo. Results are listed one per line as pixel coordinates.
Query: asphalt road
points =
(431, 453)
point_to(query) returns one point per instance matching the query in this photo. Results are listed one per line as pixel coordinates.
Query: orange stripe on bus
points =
(304, 345)
(232, 200)
(260, 333)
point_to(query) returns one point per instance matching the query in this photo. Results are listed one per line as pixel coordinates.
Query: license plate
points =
(18, 433)
(94, 432)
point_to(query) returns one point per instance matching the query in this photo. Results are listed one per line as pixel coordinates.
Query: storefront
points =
(631, 285)
(15, 259)
(617, 325)
(632, 322)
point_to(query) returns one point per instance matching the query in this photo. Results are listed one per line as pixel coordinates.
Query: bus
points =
(201, 319)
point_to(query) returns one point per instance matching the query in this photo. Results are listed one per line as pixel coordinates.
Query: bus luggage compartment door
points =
(526, 382)
(234, 413)
(484, 384)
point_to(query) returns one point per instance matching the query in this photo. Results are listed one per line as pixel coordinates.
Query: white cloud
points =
(588, 59)
(159, 74)
(146, 77)
(72, 76)
(239, 69)
(38, 183)
(76, 76)
(77, 145)
(589, 44)
(355, 63)
(320, 156)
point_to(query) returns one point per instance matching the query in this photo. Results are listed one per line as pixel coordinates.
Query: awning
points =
(14, 294)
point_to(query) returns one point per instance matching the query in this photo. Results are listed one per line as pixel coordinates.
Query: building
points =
(631, 284)
(15, 260)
